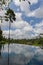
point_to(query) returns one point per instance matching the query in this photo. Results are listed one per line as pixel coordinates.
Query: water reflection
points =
(37, 59)
(21, 55)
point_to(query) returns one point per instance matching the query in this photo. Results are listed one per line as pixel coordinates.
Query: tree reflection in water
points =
(22, 55)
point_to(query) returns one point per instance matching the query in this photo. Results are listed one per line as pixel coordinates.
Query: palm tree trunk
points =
(0, 36)
(9, 41)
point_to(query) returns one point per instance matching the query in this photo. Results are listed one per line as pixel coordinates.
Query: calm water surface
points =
(20, 54)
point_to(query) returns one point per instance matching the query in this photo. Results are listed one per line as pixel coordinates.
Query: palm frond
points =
(10, 14)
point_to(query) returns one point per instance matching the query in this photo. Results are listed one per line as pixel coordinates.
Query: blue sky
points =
(29, 19)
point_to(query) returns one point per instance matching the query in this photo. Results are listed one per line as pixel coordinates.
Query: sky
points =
(29, 19)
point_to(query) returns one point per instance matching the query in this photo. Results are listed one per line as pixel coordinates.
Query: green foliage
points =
(6, 18)
(1, 38)
(10, 15)
(36, 42)
(3, 2)
(2, 42)
(20, 0)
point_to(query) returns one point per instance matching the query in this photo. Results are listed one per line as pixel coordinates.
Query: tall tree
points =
(10, 16)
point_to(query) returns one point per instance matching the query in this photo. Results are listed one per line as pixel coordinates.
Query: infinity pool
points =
(20, 54)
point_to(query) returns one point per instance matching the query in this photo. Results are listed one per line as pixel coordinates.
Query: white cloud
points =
(16, 34)
(19, 24)
(5, 33)
(39, 28)
(17, 2)
(25, 7)
(22, 27)
(4, 25)
(28, 28)
(38, 25)
(18, 16)
(2, 12)
(38, 31)
(38, 13)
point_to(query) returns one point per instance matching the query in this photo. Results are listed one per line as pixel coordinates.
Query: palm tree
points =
(10, 16)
